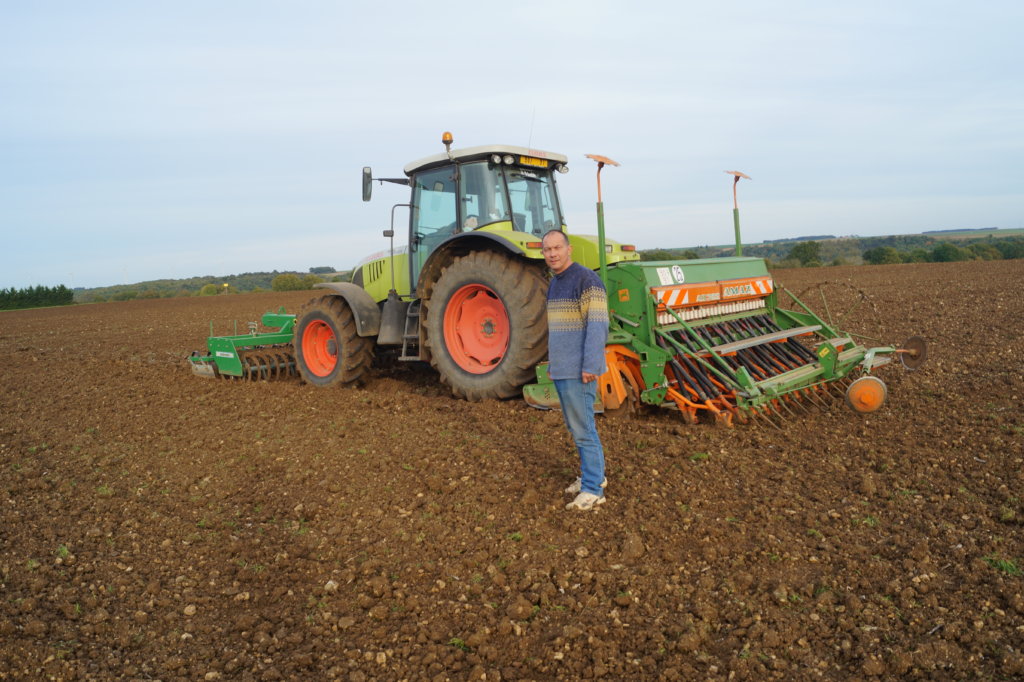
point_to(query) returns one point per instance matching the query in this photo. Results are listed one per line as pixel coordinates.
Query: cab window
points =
(534, 208)
(433, 208)
(482, 195)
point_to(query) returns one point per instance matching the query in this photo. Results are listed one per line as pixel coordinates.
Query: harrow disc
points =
(265, 364)
(914, 352)
(866, 394)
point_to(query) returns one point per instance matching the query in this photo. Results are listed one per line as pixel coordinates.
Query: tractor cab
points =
(500, 197)
(494, 189)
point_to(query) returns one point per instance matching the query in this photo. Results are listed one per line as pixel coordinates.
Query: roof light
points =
(496, 159)
(508, 159)
(562, 168)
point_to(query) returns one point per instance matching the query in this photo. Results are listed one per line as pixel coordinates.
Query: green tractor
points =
(466, 294)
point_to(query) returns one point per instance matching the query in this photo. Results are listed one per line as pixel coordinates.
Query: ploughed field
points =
(157, 525)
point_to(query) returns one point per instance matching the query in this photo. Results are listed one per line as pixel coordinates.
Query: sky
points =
(155, 140)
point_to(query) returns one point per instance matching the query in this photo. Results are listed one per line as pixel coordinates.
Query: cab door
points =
(433, 218)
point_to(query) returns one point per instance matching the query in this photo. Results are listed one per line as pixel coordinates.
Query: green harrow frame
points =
(253, 356)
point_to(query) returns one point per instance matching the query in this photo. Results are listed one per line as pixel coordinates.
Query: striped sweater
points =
(577, 323)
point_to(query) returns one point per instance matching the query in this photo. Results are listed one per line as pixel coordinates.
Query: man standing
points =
(577, 331)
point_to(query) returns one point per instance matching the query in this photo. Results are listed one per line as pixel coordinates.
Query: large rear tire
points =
(328, 351)
(486, 324)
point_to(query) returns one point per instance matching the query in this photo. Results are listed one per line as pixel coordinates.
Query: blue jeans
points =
(577, 400)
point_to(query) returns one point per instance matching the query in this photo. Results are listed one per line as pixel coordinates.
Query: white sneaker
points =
(577, 486)
(585, 502)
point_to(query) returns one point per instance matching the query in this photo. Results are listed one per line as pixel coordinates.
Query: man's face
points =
(557, 253)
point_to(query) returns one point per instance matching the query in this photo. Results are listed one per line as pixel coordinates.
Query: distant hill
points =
(934, 245)
(800, 239)
(968, 229)
(938, 245)
(170, 288)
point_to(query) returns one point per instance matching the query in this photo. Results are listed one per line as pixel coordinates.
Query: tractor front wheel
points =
(328, 350)
(486, 324)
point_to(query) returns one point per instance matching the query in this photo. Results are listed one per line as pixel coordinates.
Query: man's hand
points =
(588, 377)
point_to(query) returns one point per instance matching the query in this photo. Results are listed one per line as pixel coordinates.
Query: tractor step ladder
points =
(412, 332)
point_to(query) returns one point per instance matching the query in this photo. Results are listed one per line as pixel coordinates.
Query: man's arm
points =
(594, 310)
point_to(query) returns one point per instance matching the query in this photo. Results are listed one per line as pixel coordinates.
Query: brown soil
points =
(156, 525)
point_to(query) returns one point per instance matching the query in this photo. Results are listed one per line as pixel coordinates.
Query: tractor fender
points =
(458, 245)
(363, 307)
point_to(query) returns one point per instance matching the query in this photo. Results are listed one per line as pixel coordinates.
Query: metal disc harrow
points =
(264, 364)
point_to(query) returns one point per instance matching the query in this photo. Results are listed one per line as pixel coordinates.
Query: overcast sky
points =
(148, 140)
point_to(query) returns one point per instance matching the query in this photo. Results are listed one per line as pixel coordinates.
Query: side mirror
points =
(367, 183)
(389, 233)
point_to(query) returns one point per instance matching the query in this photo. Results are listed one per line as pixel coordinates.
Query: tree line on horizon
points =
(859, 250)
(923, 248)
(35, 297)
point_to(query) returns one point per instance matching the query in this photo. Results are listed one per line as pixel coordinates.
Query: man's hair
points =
(565, 237)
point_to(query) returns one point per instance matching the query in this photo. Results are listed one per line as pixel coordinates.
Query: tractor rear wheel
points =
(486, 324)
(328, 350)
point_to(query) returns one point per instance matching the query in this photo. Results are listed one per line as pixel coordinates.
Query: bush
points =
(882, 255)
(806, 252)
(287, 282)
(985, 251)
(209, 290)
(949, 253)
(1011, 248)
(309, 280)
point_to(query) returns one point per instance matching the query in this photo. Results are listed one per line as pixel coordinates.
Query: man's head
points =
(557, 251)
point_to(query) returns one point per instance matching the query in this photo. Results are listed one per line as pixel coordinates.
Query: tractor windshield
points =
(483, 195)
(534, 200)
(491, 193)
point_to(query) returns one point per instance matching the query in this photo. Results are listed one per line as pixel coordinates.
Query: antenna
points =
(529, 140)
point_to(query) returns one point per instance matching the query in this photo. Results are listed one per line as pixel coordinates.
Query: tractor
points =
(466, 293)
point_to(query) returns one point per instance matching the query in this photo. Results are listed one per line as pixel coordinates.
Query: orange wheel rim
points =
(866, 394)
(476, 329)
(319, 348)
